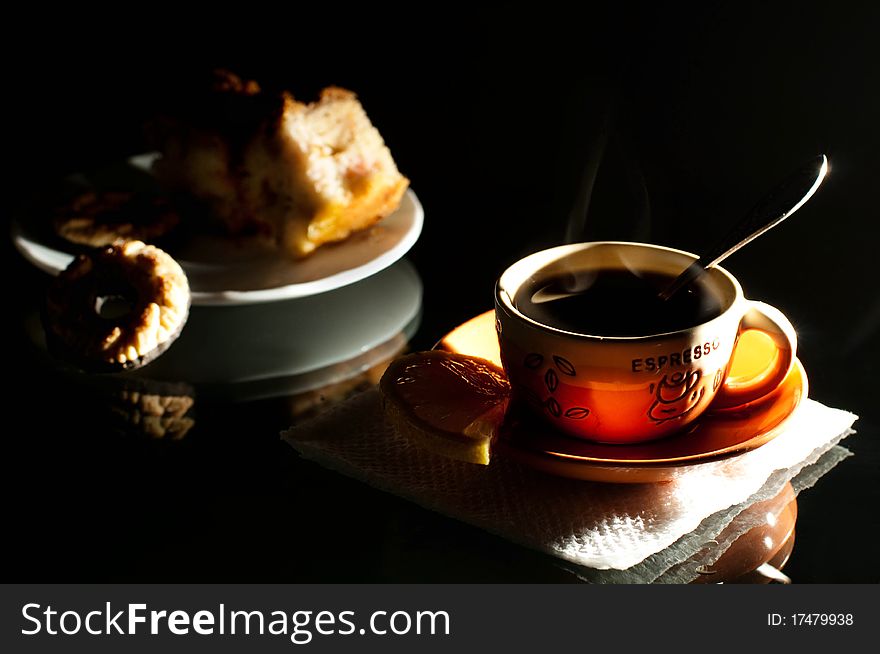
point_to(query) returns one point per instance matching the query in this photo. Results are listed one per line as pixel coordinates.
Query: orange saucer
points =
(715, 435)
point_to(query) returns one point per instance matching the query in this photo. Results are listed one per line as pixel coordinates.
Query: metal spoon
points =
(773, 208)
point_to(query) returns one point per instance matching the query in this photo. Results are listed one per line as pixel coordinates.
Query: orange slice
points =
(449, 403)
(476, 337)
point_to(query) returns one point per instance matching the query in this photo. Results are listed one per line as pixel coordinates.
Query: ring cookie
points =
(117, 308)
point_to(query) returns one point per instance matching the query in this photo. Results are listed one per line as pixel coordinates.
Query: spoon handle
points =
(772, 209)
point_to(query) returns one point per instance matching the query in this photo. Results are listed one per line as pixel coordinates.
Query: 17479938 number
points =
(810, 620)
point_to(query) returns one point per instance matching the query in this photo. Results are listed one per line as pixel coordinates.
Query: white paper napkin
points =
(680, 562)
(611, 527)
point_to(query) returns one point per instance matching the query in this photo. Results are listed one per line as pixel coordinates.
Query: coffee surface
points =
(615, 303)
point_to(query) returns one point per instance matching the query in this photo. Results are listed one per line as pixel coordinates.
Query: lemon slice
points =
(449, 403)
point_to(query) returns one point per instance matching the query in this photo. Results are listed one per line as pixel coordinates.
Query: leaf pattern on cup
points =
(551, 380)
(577, 413)
(564, 366)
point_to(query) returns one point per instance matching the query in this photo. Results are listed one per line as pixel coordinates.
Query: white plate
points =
(226, 271)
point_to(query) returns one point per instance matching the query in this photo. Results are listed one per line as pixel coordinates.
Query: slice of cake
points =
(305, 174)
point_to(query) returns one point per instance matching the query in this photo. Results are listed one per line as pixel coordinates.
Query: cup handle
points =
(771, 321)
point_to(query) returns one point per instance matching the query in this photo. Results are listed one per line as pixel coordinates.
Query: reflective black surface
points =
(670, 123)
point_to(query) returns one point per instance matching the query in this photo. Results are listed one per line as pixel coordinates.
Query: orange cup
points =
(635, 388)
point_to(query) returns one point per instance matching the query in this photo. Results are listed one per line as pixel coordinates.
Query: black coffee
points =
(615, 303)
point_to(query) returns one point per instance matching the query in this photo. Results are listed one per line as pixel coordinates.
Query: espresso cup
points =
(629, 389)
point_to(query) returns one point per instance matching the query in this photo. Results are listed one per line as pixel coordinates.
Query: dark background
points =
(497, 116)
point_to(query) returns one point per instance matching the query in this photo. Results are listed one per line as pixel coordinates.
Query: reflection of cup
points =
(635, 388)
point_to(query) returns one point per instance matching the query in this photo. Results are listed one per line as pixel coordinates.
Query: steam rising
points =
(632, 212)
(570, 284)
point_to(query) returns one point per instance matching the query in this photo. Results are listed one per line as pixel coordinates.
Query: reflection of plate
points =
(227, 271)
(713, 436)
(290, 346)
(320, 387)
